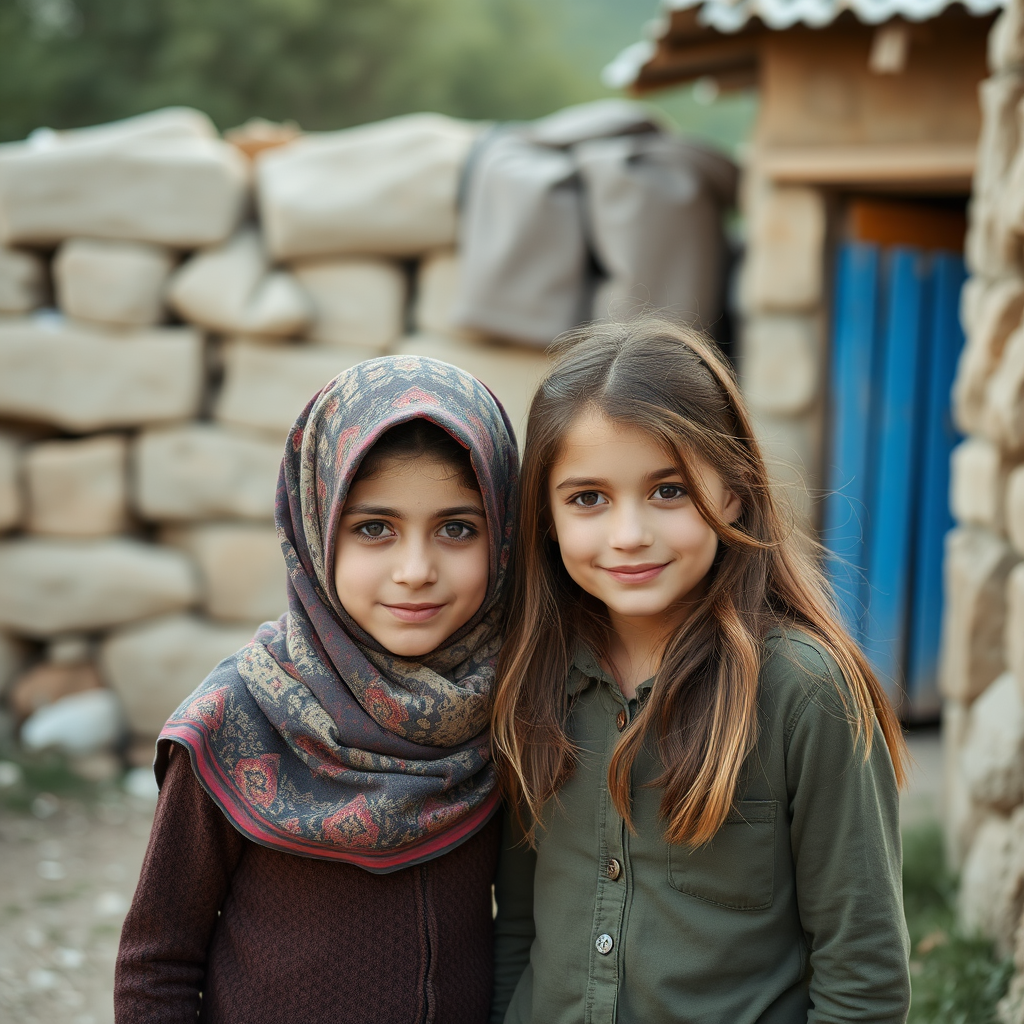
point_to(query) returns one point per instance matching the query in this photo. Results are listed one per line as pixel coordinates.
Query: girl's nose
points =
(414, 567)
(629, 529)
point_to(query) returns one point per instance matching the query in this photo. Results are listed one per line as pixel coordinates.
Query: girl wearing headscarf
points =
(325, 841)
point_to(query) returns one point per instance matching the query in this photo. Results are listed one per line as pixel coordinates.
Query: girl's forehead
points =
(595, 437)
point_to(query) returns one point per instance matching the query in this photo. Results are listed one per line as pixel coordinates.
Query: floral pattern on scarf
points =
(313, 739)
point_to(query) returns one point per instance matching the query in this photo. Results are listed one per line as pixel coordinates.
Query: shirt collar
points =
(586, 667)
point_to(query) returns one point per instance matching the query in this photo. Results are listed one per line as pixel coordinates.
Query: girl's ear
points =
(732, 507)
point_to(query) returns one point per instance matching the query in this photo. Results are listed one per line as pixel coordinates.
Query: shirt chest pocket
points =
(737, 868)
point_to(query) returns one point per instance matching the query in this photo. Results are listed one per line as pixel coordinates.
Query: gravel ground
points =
(71, 852)
(70, 865)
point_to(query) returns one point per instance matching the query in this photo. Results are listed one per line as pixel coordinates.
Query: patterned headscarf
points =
(313, 739)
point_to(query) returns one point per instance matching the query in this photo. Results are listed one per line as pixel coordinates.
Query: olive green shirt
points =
(792, 913)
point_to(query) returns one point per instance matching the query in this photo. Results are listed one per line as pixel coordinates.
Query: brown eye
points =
(373, 529)
(588, 499)
(669, 492)
(457, 531)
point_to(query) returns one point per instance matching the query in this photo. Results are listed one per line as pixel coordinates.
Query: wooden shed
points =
(855, 191)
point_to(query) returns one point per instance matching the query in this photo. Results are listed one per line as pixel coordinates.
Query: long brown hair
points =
(672, 383)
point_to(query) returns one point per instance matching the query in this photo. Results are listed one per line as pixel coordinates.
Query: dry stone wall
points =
(168, 305)
(983, 633)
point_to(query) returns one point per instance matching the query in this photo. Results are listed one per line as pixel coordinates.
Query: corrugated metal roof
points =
(729, 16)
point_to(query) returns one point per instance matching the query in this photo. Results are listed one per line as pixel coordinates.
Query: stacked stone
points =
(781, 358)
(167, 308)
(983, 633)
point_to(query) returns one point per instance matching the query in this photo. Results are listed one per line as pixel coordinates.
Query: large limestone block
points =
(77, 488)
(84, 379)
(232, 287)
(986, 902)
(10, 483)
(203, 471)
(385, 189)
(510, 372)
(22, 281)
(960, 815)
(58, 586)
(242, 569)
(437, 288)
(1014, 513)
(1014, 637)
(976, 570)
(991, 312)
(1003, 416)
(267, 386)
(119, 283)
(992, 759)
(1006, 40)
(780, 363)
(785, 254)
(977, 487)
(169, 124)
(355, 301)
(171, 184)
(1000, 132)
(156, 665)
(792, 451)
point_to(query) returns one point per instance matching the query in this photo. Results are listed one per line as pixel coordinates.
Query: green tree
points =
(323, 63)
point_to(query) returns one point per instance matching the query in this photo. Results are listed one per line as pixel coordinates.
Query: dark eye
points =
(372, 529)
(457, 531)
(588, 499)
(669, 492)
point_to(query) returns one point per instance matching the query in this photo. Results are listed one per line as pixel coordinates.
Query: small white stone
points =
(51, 870)
(992, 758)
(141, 784)
(355, 301)
(437, 285)
(111, 904)
(78, 724)
(780, 364)
(978, 475)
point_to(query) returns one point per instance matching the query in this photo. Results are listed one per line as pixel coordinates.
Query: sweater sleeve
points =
(514, 929)
(193, 851)
(848, 859)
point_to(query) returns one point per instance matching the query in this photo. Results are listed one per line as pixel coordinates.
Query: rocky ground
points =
(70, 859)
(70, 864)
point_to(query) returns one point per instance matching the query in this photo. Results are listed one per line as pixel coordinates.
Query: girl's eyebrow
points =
(372, 510)
(581, 481)
(393, 513)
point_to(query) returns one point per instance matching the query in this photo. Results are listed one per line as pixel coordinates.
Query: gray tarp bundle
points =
(599, 183)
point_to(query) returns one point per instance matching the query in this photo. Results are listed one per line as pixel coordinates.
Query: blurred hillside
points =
(324, 64)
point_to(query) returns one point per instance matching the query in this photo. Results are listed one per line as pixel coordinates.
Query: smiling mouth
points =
(414, 612)
(635, 574)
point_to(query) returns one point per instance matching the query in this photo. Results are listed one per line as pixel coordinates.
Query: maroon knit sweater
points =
(242, 934)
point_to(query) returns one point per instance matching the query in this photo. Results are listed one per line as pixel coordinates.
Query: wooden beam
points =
(899, 165)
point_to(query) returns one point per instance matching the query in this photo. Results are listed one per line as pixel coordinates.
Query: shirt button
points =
(604, 944)
(614, 869)
(620, 720)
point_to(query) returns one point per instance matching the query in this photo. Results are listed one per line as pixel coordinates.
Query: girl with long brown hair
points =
(702, 767)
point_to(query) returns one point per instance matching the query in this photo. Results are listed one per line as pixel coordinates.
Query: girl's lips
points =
(414, 612)
(635, 573)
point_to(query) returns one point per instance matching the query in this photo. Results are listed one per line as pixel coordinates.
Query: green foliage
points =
(323, 63)
(956, 978)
